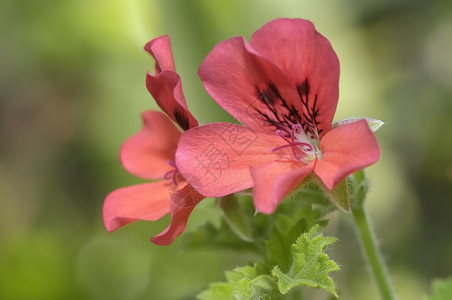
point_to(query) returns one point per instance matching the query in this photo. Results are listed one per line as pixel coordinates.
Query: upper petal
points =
(215, 158)
(183, 201)
(146, 154)
(274, 181)
(165, 86)
(248, 86)
(147, 201)
(160, 49)
(308, 60)
(346, 149)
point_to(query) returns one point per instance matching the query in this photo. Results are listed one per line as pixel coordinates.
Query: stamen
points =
(299, 149)
(172, 163)
(279, 132)
(296, 129)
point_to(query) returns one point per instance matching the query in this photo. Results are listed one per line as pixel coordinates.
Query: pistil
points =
(301, 146)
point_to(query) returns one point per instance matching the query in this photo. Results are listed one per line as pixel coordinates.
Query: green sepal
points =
(340, 195)
(359, 186)
(311, 194)
(374, 124)
(441, 289)
(310, 266)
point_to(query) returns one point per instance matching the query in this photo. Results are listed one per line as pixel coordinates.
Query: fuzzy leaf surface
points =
(310, 266)
(441, 289)
(253, 285)
(244, 283)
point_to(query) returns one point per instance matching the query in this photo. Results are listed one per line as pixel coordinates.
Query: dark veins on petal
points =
(277, 113)
(283, 116)
(182, 119)
(310, 114)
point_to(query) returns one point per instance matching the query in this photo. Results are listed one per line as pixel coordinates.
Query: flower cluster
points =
(282, 87)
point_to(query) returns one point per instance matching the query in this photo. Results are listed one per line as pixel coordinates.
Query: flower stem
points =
(372, 252)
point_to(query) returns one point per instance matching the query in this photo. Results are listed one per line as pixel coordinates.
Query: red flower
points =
(283, 87)
(149, 154)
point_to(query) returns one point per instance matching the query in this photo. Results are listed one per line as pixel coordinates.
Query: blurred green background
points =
(71, 91)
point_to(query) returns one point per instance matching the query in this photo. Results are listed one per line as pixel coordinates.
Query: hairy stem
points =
(372, 253)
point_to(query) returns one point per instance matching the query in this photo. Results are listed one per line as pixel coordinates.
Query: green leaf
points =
(310, 266)
(441, 289)
(283, 234)
(235, 217)
(218, 291)
(253, 285)
(222, 290)
(278, 249)
(244, 283)
(213, 237)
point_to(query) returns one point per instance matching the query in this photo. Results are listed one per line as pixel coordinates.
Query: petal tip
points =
(161, 240)
(265, 209)
(148, 45)
(113, 222)
(111, 225)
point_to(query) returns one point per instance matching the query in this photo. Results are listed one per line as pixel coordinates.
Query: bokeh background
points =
(72, 89)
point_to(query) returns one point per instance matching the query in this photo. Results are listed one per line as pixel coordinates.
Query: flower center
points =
(172, 174)
(303, 148)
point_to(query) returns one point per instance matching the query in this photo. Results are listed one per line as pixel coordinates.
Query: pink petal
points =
(183, 202)
(215, 158)
(274, 181)
(248, 86)
(146, 154)
(147, 201)
(165, 86)
(307, 59)
(160, 49)
(346, 149)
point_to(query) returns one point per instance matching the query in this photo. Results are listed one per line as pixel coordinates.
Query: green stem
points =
(372, 252)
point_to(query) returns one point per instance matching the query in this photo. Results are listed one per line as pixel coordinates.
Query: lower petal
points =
(215, 158)
(147, 201)
(346, 149)
(146, 154)
(182, 204)
(274, 181)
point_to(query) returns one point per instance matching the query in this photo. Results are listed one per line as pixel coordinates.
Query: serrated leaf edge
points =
(324, 242)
